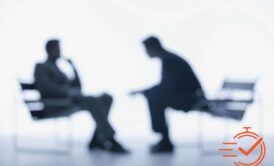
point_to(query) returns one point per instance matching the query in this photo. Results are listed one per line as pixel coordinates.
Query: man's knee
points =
(156, 104)
(155, 97)
(108, 99)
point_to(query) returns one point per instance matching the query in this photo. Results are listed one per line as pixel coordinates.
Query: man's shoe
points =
(164, 146)
(115, 147)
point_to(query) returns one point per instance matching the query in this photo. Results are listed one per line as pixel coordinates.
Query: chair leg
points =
(56, 132)
(69, 140)
(14, 125)
(201, 144)
(225, 128)
(260, 117)
(70, 134)
(202, 147)
(201, 133)
(19, 148)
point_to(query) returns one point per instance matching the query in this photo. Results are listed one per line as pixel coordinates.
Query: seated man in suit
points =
(178, 89)
(52, 82)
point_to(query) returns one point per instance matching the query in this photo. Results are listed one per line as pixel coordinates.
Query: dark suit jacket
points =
(53, 83)
(179, 85)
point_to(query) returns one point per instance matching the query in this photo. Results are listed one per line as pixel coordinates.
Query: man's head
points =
(153, 46)
(53, 49)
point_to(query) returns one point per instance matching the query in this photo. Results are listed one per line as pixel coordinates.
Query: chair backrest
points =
(35, 106)
(240, 89)
(27, 86)
(237, 85)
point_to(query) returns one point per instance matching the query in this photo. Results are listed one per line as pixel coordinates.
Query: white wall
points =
(219, 38)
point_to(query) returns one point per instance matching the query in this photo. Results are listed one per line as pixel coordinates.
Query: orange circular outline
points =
(262, 146)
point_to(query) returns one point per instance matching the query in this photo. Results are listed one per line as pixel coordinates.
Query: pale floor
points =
(133, 130)
(186, 154)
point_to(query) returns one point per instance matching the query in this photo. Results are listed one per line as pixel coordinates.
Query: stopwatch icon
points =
(247, 149)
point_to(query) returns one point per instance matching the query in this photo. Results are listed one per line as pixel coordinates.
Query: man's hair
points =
(51, 43)
(152, 42)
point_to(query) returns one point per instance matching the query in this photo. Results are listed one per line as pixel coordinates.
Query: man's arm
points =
(145, 91)
(76, 82)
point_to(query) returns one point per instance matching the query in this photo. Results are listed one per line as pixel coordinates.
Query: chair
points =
(37, 108)
(227, 99)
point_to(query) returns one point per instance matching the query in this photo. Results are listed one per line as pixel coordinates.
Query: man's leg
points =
(98, 112)
(157, 115)
(159, 124)
(99, 108)
(106, 102)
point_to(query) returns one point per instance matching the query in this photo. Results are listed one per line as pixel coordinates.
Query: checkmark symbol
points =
(252, 148)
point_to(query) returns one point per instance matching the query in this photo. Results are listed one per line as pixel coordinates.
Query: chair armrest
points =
(229, 100)
(58, 102)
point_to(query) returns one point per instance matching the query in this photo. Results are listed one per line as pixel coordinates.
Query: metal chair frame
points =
(229, 86)
(33, 111)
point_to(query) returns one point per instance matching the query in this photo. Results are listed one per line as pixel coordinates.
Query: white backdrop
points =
(220, 38)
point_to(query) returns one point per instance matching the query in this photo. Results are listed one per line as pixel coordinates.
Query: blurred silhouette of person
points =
(52, 82)
(178, 89)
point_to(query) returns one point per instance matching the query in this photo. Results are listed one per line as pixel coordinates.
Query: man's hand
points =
(134, 93)
(69, 61)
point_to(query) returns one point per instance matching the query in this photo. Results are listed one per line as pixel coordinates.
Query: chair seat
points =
(50, 113)
(222, 108)
(247, 101)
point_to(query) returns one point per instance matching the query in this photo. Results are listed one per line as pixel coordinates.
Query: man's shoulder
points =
(41, 65)
(175, 57)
